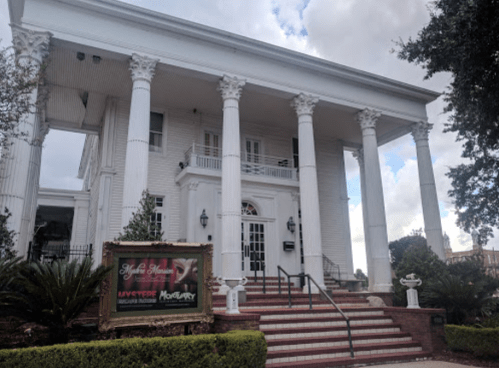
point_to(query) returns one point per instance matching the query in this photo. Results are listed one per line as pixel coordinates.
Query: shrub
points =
(479, 341)
(55, 294)
(233, 349)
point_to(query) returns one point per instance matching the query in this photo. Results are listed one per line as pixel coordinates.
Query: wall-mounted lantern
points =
(291, 225)
(203, 219)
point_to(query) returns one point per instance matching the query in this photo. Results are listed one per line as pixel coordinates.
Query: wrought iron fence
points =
(48, 253)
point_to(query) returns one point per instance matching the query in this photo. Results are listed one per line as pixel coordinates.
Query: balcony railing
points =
(252, 164)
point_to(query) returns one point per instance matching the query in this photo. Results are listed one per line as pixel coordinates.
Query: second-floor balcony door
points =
(252, 153)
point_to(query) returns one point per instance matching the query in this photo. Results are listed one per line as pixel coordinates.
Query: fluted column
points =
(31, 48)
(376, 218)
(309, 191)
(231, 89)
(431, 210)
(359, 155)
(33, 184)
(137, 148)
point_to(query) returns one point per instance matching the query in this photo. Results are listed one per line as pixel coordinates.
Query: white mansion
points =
(247, 135)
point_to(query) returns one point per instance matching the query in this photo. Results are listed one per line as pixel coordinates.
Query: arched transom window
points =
(247, 209)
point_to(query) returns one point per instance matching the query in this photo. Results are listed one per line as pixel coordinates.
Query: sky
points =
(357, 33)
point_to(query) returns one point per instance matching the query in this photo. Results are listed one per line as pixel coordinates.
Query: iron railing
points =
(256, 258)
(252, 164)
(48, 253)
(309, 279)
(331, 268)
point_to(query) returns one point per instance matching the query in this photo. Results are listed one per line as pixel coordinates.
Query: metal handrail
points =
(328, 265)
(310, 278)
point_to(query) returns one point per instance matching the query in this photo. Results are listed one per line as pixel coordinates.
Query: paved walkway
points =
(424, 364)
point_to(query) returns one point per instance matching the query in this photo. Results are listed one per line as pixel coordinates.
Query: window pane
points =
(156, 122)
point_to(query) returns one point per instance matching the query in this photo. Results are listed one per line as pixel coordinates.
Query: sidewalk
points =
(424, 364)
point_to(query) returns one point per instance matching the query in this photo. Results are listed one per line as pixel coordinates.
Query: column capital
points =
(231, 87)
(30, 44)
(142, 67)
(359, 156)
(304, 104)
(368, 118)
(41, 134)
(421, 130)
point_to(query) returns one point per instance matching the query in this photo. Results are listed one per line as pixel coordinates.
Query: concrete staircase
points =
(301, 337)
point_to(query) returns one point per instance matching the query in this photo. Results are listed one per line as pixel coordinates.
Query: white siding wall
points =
(182, 129)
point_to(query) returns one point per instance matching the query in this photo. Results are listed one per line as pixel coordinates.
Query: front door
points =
(252, 247)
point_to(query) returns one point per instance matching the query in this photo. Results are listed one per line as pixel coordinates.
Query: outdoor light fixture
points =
(291, 225)
(80, 56)
(203, 219)
(96, 59)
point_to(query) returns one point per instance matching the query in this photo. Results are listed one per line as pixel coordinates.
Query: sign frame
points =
(109, 316)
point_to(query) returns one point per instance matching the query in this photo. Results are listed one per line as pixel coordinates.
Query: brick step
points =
(354, 320)
(270, 306)
(357, 361)
(275, 288)
(319, 312)
(332, 352)
(339, 340)
(308, 332)
(268, 303)
(323, 322)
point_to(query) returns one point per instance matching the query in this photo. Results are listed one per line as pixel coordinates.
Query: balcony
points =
(206, 157)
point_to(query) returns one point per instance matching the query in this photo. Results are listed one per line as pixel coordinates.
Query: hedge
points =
(232, 349)
(479, 341)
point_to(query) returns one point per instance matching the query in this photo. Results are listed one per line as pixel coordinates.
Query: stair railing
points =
(330, 268)
(310, 278)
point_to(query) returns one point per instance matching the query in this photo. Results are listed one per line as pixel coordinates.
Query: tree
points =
(142, 226)
(17, 82)
(6, 237)
(398, 247)
(462, 38)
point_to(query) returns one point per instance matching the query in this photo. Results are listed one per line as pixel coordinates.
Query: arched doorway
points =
(252, 239)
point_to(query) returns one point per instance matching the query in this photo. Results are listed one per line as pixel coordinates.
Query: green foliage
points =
(359, 274)
(420, 260)
(461, 299)
(233, 349)
(17, 82)
(140, 227)
(398, 247)
(462, 38)
(55, 294)
(479, 341)
(9, 268)
(6, 236)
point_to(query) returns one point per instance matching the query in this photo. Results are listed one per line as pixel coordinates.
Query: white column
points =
(431, 211)
(31, 47)
(309, 192)
(378, 237)
(231, 88)
(359, 155)
(137, 148)
(33, 185)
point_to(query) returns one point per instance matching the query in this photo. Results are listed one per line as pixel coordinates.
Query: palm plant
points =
(9, 268)
(55, 294)
(463, 300)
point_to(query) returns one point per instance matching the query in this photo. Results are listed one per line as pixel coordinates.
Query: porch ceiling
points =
(89, 83)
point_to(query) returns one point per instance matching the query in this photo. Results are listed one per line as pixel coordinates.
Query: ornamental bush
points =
(232, 349)
(479, 341)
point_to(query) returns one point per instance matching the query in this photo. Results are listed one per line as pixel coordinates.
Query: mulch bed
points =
(464, 358)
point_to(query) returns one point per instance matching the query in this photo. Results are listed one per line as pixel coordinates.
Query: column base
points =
(382, 288)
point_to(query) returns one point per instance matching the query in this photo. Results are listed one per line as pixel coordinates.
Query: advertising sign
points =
(156, 283)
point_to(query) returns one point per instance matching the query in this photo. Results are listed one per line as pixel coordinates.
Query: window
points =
(247, 209)
(295, 153)
(156, 218)
(156, 132)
